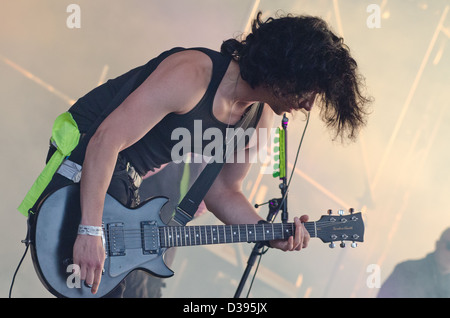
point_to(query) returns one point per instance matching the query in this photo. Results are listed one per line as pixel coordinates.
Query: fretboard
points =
(171, 236)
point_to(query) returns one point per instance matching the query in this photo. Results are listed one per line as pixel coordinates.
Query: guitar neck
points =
(171, 236)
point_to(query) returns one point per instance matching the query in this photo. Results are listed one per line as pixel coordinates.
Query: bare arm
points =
(226, 200)
(176, 86)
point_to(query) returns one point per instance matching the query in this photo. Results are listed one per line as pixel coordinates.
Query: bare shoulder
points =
(175, 86)
(181, 80)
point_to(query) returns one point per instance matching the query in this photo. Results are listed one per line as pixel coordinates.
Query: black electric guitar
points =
(138, 239)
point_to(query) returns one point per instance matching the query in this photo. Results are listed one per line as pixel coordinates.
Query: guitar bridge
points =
(149, 234)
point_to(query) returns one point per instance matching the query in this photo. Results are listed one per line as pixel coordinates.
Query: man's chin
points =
(280, 111)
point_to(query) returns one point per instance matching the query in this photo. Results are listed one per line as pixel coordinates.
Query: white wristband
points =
(90, 230)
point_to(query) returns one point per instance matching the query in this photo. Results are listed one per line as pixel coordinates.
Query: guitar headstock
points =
(340, 228)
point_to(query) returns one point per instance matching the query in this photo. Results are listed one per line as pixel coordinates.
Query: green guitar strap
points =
(65, 135)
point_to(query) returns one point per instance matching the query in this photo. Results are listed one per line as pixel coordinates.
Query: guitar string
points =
(178, 237)
(240, 226)
(214, 231)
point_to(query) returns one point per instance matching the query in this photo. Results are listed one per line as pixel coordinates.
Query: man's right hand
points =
(89, 255)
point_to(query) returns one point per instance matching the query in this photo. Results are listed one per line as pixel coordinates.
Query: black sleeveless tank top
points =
(155, 148)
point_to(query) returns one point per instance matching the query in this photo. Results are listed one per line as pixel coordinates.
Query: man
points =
(428, 277)
(285, 64)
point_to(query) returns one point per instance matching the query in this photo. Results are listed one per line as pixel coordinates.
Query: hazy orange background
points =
(396, 173)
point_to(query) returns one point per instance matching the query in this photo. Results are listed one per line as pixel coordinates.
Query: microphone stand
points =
(275, 205)
(283, 185)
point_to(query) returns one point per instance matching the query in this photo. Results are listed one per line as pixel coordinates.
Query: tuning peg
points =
(354, 245)
(332, 245)
(351, 210)
(342, 245)
(341, 212)
(330, 212)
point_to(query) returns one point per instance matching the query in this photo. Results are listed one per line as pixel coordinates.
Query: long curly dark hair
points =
(296, 55)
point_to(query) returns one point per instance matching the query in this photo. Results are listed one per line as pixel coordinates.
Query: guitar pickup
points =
(150, 238)
(116, 240)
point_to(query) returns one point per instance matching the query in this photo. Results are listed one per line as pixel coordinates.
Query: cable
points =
(17, 269)
(256, 270)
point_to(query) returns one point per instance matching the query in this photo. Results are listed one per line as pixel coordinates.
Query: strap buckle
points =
(70, 170)
(181, 217)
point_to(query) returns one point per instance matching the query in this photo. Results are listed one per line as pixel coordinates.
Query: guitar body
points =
(54, 231)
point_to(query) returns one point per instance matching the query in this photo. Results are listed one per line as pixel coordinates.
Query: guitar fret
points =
(175, 235)
(168, 237)
(235, 233)
(264, 233)
(183, 235)
(200, 236)
(203, 235)
(251, 236)
(220, 234)
(172, 243)
(214, 234)
(210, 236)
(227, 237)
(259, 232)
(166, 234)
(188, 236)
(244, 230)
(193, 235)
(207, 237)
